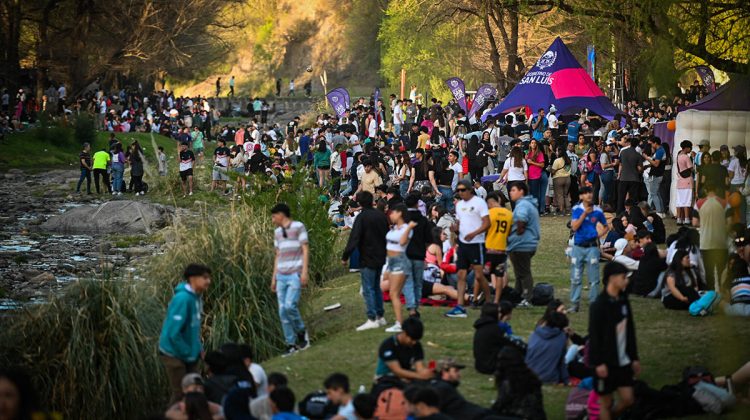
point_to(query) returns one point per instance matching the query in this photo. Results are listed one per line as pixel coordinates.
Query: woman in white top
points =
(515, 168)
(397, 239)
(736, 169)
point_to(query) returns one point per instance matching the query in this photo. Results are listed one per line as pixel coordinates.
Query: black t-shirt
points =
(522, 129)
(186, 155)
(222, 152)
(390, 350)
(84, 157)
(715, 174)
(445, 177)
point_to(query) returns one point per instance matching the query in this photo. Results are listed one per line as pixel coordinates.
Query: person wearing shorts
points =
(684, 201)
(397, 263)
(221, 163)
(186, 159)
(613, 349)
(496, 242)
(473, 222)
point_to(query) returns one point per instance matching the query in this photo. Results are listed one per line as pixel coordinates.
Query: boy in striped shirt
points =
(290, 275)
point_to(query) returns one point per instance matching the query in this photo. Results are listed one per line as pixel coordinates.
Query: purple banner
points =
(484, 93)
(345, 93)
(707, 75)
(376, 95)
(337, 99)
(458, 90)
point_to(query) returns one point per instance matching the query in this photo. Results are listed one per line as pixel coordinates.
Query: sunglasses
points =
(461, 189)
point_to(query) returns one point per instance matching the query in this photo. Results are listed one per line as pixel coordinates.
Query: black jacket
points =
(454, 405)
(488, 341)
(605, 313)
(421, 236)
(368, 235)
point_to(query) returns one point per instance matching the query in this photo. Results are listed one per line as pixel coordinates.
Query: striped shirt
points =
(288, 242)
(740, 291)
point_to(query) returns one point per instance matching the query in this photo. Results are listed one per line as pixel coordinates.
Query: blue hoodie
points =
(546, 354)
(181, 331)
(525, 211)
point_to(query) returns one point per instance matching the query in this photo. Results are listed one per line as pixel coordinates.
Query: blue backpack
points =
(705, 305)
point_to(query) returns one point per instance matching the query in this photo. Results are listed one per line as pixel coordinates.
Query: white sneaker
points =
(395, 328)
(369, 325)
(191, 193)
(382, 322)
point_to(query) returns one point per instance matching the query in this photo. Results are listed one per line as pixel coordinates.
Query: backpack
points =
(577, 403)
(316, 405)
(542, 294)
(391, 405)
(705, 305)
(511, 295)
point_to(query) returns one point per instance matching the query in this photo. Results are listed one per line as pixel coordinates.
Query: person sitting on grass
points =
(547, 347)
(260, 408)
(452, 403)
(738, 279)
(519, 390)
(488, 339)
(401, 355)
(424, 403)
(283, 403)
(192, 383)
(337, 391)
(681, 283)
(364, 406)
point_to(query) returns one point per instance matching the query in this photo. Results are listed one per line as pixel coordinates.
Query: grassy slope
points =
(27, 151)
(668, 341)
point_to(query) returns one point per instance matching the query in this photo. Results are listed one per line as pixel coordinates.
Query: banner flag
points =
(458, 89)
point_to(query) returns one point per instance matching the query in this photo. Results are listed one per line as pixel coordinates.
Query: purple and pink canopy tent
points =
(557, 79)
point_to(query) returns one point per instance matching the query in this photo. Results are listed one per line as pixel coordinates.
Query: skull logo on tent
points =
(546, 60)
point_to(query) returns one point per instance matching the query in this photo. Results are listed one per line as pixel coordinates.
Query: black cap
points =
(612, 268)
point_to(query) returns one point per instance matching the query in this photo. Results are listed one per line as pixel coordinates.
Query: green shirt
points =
(197, 139)
(101, 158)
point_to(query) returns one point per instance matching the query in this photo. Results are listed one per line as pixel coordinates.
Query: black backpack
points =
(542, 294)
(316, 405)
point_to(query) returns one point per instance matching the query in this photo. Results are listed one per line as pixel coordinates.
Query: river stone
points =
(121, 217)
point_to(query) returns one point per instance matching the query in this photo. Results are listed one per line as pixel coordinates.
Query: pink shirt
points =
(684, 162)
(535, 172)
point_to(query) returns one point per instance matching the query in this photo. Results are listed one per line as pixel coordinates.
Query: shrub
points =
(85, 130)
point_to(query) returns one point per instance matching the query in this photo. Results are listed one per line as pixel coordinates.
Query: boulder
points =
(45, 277)
(120, 216)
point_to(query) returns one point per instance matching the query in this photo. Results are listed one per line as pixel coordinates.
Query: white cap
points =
(597, 133)
(552, 108)
(644, 124)
(620, 245)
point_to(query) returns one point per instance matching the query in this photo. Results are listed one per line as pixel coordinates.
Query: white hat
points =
(611, 134)
(620, 245)
(552, 108)
(644, 124)
(597, 133)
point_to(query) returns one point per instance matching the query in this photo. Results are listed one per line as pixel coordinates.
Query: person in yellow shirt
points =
(101, 163)
(423, 138)
(496, 240)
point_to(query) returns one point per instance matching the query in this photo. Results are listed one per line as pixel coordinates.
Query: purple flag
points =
(484, 92)
(707, 75)
(458, 89)
(345, 93)
(376, 95)
(338, 101)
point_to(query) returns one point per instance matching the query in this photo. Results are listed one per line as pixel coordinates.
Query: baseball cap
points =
(597, 133)
(447, 363)
(464, 183)
(644, 124)
(192, 379)
(620, 245)
(552, 108)
(704, 142)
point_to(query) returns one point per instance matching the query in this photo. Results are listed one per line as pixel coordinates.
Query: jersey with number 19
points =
(497, 235)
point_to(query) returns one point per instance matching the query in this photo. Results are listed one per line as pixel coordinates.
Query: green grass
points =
(28, 150)
(668, 341)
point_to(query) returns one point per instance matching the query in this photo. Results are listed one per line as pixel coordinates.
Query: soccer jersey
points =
(501, 219)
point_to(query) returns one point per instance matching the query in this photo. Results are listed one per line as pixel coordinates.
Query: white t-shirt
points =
(470, 214)
(457, 170)
(347, 411)
(514, 173)
(739, 172)
(398, 115)
(393, 238)
(481, 192)
(354, 143)
(260, 378)
(552, 119)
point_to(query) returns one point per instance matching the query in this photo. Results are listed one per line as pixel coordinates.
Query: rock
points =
(106, 266)
(122, 217)
(30, 274)
(138, 252)
(45, 277)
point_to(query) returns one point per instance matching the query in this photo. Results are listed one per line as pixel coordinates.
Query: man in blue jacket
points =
(523, 239)
(180, 339)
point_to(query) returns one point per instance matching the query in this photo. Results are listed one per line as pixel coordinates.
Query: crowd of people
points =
(439, 206)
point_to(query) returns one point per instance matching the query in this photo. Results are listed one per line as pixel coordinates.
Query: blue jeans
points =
(607, 179)
(117, 173)
(370, 278)
(288, 290)
(446, 199)
(397, 129)
(403, 188)
(413, 284)
(654, 197)
(538, 188)
(581, 257)
(85, 174)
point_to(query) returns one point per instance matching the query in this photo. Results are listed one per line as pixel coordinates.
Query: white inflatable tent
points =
(722, 117)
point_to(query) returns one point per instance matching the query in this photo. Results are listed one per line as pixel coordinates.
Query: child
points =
(506, 313)
(161, 157)
(480, 191)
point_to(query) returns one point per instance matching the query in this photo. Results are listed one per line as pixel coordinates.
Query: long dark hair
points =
(679, 272)
(196, 406)
(561, 152)
(517, 155)
(22, 383)
(322, 146)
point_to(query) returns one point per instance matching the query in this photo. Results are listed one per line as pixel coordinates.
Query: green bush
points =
(85, 130)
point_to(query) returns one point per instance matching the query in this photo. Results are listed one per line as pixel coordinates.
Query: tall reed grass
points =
(92, 351)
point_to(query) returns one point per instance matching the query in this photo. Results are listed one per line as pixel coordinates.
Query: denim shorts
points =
(398, 264)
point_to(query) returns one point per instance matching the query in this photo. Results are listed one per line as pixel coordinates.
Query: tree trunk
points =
(497, 71)
(10, 27)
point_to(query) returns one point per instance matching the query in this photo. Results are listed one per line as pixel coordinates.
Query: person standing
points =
(523, 239)
(231, 86)
(501, 220)
(180, 339)
(218, 87)
(278, 87)
(415, 252)
(291, 88)
(585, 252)
(101, 163)
(656, 174)
(368, 236)
(84, 159)
(186, 161)
(684, 200)
(539, 124)
(613, 350)
(290, 275)
(629, 176)
(473, 221)
(713, 235)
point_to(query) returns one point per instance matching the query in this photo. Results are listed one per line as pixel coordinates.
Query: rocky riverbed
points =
(51, 236)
